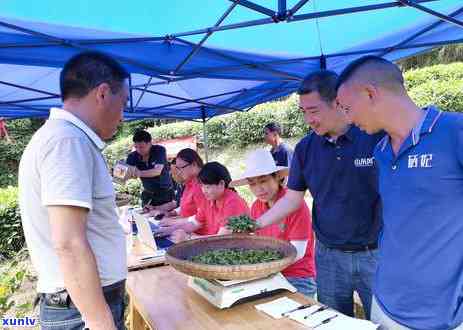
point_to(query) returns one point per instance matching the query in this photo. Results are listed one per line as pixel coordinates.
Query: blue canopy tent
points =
(174, 77)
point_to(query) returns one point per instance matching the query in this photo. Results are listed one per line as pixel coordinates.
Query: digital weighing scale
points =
(224, 294)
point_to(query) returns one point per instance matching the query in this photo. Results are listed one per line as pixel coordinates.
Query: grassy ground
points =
(17, 287)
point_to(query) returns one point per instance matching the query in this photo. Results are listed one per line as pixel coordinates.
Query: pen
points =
(319, 309)
(325, 321)
(296, 309)
(147, 258)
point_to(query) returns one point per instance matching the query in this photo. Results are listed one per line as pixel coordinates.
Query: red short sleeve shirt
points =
(192, 198)
(214, 214)
(295, 227)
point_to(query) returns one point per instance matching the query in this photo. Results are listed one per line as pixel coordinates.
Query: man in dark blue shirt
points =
(335, 163)
(151, 166)
(281, 152)
(419, 282)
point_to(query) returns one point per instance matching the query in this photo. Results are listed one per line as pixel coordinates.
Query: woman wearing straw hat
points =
(222, 202)
(265, 181)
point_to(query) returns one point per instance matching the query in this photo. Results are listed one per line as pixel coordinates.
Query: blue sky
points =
(160, 17)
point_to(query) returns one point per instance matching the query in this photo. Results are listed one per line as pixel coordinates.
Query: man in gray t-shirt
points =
(67, 200)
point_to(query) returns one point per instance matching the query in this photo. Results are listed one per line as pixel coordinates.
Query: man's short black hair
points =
(87, 70)
(142, 136)
(323, 82)
(375, 70)
(273, 127)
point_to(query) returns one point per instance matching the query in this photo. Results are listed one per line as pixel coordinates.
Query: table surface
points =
(162, 297)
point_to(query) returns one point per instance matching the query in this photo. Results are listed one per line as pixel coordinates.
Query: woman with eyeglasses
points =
(222, 202)
(188, 164)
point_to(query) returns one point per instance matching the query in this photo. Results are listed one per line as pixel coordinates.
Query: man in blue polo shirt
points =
(335, 162)
(151, 166)
(281, 152)
(419, 282)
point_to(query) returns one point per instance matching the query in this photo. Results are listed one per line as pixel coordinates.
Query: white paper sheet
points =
(340, 322)
(277, 307)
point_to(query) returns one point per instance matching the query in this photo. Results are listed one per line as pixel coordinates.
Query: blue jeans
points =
(339, 274)
(69, 318)
(305, 285)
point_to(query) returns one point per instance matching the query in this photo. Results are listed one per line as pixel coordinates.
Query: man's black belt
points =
(62, 299)
(359, 248)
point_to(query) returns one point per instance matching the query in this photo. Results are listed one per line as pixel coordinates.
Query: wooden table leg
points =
(136, 320)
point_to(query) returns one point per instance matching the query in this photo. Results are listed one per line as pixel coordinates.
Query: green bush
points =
(133, 188)
(441, 55)
(11, 233)
(16, 276)
(20, 131)
(446, 94)
(444, 73)
(239, 129)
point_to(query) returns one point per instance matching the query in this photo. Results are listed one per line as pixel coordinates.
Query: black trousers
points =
(158, 197)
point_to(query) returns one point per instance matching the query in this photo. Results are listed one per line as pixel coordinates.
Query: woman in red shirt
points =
(266, 182)
(222, 202)
(188, 164)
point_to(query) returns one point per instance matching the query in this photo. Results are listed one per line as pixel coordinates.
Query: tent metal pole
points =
(419, 45)
(296, 7)
(254, 65)
(84, 42)
(256, 22)
(212, 76)
(32, 32)
(143, 92)
(198, 46)
(365, 51)
(75, 45)
(443, 17)
(117, 40)
(206, 143)
(250, 65)
(323, 62)
(189, 100)
(142, 110)
(270, 92)
(198, 99)
(254, 6)
(131, 94)
(29, 100)
(28, 88)
(282, 9)
(27, 107)
(421, 32)
(33, 45)
(264, 21)
(350, 10)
